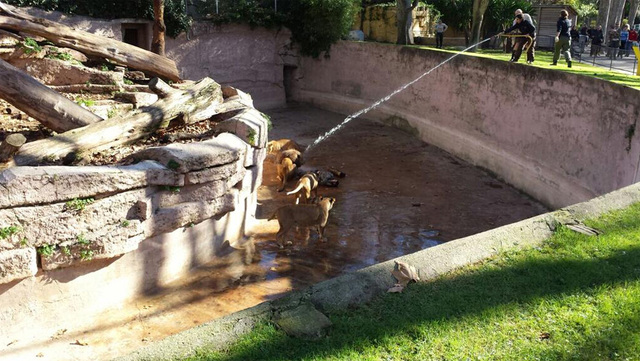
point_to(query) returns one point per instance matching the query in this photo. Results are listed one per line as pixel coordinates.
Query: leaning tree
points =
(479, 8)
(404, 14)
(610, 13)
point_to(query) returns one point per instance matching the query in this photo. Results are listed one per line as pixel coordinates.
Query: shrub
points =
(316, 24)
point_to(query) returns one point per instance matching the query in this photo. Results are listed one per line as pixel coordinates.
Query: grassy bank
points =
(543, 59)
(574, 298)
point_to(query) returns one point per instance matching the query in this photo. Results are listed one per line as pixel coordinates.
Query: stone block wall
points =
(69, 215)
(102, 233)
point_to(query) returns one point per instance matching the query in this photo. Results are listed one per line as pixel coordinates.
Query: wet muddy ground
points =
(399, 196)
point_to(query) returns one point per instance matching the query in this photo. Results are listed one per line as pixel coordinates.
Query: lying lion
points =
(326, 177)
(303, 215)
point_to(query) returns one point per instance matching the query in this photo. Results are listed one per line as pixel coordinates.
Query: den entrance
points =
(399, 196)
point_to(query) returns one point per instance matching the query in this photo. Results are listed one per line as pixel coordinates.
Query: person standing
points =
(563, 39)
(519, 43)
(575, 35)
(525, 28)
(614, 41)
(633, 39)
(440, 29)
(597, 37)
(584, 35)
(624, 37)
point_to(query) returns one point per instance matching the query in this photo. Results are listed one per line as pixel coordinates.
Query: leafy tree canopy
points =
(175, 17)
(315, 24)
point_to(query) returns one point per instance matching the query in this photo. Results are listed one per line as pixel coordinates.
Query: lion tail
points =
(298, 188)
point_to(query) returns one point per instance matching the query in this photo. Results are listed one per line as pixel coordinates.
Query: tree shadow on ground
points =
(454, 299)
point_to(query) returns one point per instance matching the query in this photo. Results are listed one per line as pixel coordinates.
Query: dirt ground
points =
(399, 196)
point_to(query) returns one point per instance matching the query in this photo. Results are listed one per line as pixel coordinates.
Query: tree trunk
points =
(603, 13)
(633, 10)
(41, 103)
(479, 8)
(617, 8)
(157, 44)
(404, 18)
(89, 44)
(609, 13)
(10, 146)
(195, 102)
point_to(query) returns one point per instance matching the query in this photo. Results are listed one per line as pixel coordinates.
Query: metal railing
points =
(220, 7)
(611, 58)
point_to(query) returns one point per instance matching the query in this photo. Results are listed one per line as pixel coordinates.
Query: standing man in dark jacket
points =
(597, 37)
(563, 39)
(525, 28)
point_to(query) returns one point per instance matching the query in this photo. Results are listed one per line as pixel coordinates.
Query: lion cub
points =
(307, 184)
(285, 171)
(286, 163)
(283, 144)
(303, 215)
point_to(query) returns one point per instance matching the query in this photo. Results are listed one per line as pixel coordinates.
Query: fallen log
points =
(197, 101)
(89, 44)
(41, 103)
(10, 146)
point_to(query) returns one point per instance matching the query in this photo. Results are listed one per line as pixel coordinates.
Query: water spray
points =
(374, 105)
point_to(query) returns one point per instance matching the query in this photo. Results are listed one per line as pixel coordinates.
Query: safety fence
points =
(612, 58)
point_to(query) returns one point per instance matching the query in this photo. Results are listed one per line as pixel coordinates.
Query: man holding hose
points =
(526, 28)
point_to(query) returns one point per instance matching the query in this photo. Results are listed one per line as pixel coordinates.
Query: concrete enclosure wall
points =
(560, 137)
(235, 55)
(249, 59)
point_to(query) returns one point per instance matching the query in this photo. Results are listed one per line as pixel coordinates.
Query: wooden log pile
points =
(79, 130)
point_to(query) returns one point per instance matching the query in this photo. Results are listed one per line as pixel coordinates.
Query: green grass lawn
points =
(543, 59)
(574, 298)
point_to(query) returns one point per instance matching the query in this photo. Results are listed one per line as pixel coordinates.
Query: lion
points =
(294, 155)
(307, 184)
(326, 177)
(283, 144)
(285, 170)
(303, 215)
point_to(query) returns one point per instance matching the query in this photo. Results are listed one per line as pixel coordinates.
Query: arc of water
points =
(374, 105)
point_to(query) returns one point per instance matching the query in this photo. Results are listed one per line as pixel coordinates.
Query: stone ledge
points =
(251, 156)
(17, 264)
(198, 192)
(21, 186)
(213, 173)
(107, 247)
(189, 157)
(250, 125)
(236, 95)
(59, 223)
(186, 214)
